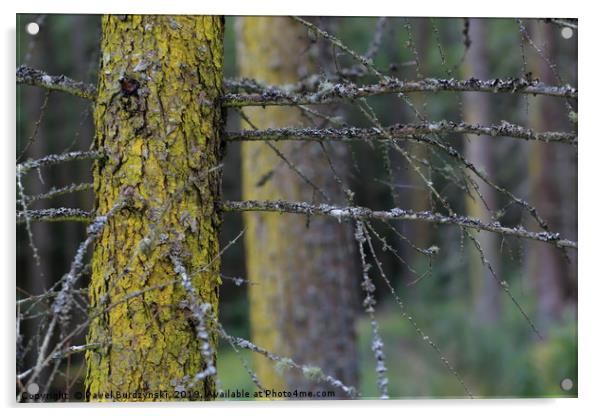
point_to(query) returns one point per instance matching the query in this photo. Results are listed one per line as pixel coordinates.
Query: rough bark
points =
(162, 142)
(479, 151)
(302, 299)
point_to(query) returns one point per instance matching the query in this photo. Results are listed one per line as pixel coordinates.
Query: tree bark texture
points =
(302, 293)
(158, 121)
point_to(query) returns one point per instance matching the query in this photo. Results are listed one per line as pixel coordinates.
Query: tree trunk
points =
(417, 193)
(479, 150)
(162, 146)
(546, 265)
(302, 274)
(409, 189)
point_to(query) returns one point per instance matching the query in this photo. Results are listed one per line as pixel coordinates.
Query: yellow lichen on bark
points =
(301, 296)
(266, 64)
(162, 145)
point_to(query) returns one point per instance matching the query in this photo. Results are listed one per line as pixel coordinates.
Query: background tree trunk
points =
(162, 143)
(409, 190)
(301, 269)
(417, 193)
(546, 265)
(479, 150)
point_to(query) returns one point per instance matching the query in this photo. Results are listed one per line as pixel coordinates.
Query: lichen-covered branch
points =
(285, 362)
(336, 42)
(369, 302)
(37, 78)
(64, 299)
(54, 214)
(56, 159)
(328, 92)
(363, 234)
(54, 192)
(401, 131)
(199, 311)
(570, 23)
(46, 295)
(345, 213)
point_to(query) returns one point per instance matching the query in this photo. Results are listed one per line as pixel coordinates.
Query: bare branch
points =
(285, 362)
(369, 303)
(335, 92)
(199, 310)
(54, 214)
(55, 159)
(282, 157)
(377, 38)
(401, 131)
(46, 295)
(336, 42)
(37, 78)
(54, 192)
(23, 202)
(62, 303)
(276, 96)
(36, 127)
(362, 228)
(345, 213)
(570, 23)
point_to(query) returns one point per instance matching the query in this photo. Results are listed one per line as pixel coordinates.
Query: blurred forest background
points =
(474, 324)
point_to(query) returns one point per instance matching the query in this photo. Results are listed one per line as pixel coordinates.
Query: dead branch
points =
(346, 213)
(54, 192)
(54, 214)
(49, 160)
(37, 78)
(285, 362)
(570, 23)
(401, 131)
(329, 93)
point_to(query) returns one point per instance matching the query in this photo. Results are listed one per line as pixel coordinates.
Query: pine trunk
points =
(162, 144)
(302, 292)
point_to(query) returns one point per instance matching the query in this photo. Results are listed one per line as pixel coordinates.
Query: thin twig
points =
(50, 160)
(53, 215)
(54, 192)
